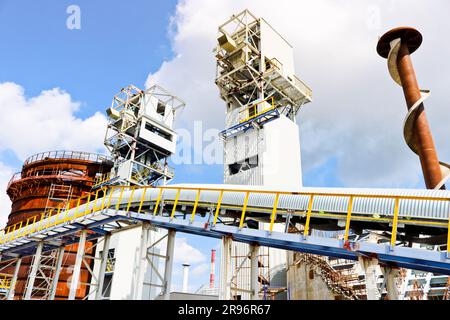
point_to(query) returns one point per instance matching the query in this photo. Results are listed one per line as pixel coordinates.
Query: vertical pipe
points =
(426, 149)
(77, 267)
(185, 277)
(12, 286)
(102, 269)
(60, 256)
(34, 269)
(254, 285)
(213, 267)
(169, 263)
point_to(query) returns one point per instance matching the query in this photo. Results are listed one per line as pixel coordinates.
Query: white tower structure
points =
(140, 135)
(257, 81)
(141, 139)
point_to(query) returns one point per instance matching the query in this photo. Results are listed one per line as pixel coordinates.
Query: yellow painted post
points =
(94, 206)
(18, 229)
(86, 208)
(48, 218)
(308, 215)
(142, 199)
(41, 221)
(111, 191)
(349, 217)
(274, 211)
(219, 202)
(34, 225)
(75, 212)
(133, 188)
(395, 222)
(57, 215)
(103, 198)
(175, 203)
(244, 208)
(158, 200)
(195, 205)
(120, 198)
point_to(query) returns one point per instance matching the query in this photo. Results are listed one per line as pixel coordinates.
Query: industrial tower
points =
(140, 138)
(140, 135)
(256, 78)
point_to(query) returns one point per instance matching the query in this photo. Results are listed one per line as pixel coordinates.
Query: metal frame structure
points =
(181, 208)
(127, 112)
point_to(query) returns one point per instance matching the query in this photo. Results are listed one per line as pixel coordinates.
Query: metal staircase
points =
(334, 280)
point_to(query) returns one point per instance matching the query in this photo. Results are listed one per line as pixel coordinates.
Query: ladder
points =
(57, 195)
(42, 284)
(333, 279)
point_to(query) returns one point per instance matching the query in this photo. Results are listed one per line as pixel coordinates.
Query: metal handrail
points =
(102, 199)
(65, 154)
(255, 105)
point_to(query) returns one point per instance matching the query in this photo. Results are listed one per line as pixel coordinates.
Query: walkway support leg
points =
(33, 272)
(57, 272)
(225, 269)
(12, 286)
(101, 272)
(142, 267)
(77, 267)
(390, 274)
(254, 284)
(369, 266)
(169, 263)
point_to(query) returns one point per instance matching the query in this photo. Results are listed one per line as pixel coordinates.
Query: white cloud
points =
(5, 205)
(46, 122)
(357, 113)
(42, 123)
(185, 253)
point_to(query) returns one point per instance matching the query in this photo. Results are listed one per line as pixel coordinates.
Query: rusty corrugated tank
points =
(46, 181)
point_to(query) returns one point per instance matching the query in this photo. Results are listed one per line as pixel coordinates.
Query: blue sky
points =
(120, 42)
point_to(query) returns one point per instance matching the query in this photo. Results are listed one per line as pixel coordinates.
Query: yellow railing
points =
(102, 199)
(5, 281)
(101, 179)
(255, 112)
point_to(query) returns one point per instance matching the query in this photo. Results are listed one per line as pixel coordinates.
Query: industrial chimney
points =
(185, 276)
(213, 261)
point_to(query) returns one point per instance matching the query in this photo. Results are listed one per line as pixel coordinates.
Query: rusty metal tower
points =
(396, 46)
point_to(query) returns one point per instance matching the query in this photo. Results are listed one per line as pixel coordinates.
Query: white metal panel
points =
(273, 45)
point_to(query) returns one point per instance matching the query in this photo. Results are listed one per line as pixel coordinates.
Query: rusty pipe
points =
(397, 45)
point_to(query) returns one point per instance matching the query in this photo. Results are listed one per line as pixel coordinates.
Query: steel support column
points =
(225, 269)
(390, 275)
(57, 272)
(139, 285)
(254, 284)
(169, 263)
(102, 269)
(12, 286)
(77, 267)
(33, 272)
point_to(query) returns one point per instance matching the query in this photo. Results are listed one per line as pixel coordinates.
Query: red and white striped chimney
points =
(213, 261)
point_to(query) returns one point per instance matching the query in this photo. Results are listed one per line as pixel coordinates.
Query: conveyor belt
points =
(198, 209)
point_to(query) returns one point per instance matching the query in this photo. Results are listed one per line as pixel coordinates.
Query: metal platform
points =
(198, 210)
